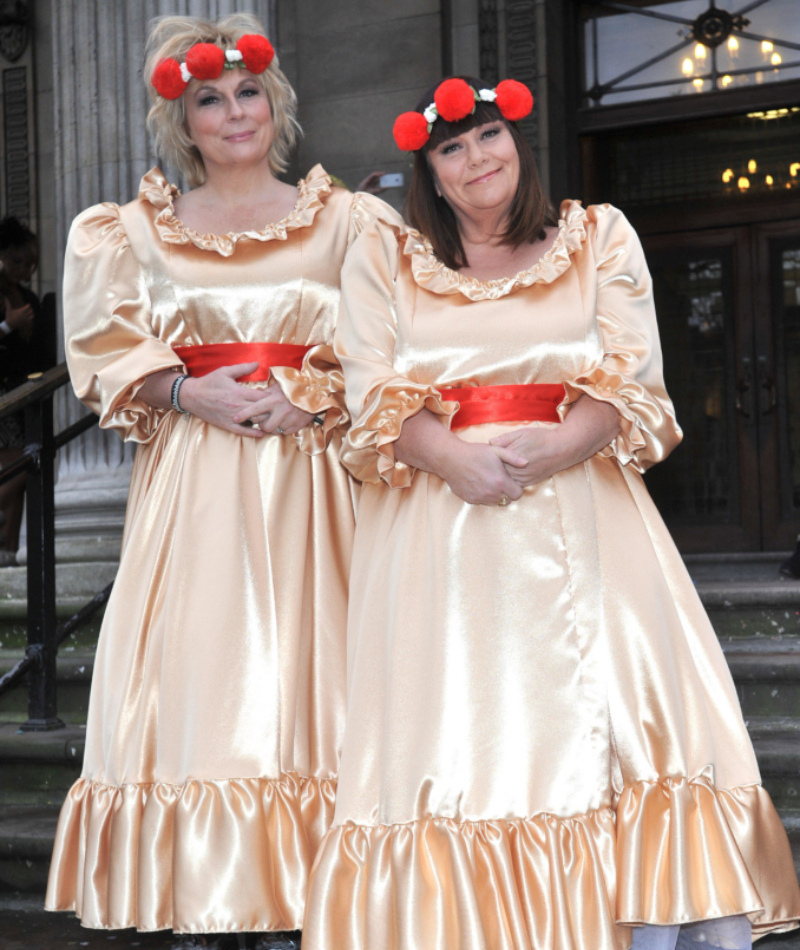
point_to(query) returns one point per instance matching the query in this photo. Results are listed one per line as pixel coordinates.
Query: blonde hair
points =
(172, 36)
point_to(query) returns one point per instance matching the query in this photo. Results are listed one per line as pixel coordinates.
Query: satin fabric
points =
(202, 360)
(480, 404)
(218, 696)
(543, 743)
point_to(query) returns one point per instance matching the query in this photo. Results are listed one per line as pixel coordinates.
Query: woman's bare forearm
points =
(156, 390)
(590, 426)
(425, 444)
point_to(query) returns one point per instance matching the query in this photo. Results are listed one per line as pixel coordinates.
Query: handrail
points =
(37, 387)
(33, 655)
(35, 399)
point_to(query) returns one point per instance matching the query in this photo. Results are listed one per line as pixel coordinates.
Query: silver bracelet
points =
(173, 398)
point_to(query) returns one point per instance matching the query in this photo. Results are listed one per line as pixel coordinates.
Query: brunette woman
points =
(543, 746)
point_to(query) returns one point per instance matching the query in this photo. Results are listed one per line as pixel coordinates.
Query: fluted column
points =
(102, 150)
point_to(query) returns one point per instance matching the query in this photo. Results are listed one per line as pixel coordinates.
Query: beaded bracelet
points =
(173, 398)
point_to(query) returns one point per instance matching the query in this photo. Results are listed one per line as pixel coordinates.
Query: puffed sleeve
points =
(110, 344)
(630, 375)
(317, 387)
(378, 397)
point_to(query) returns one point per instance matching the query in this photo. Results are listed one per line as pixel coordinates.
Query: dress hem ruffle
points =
(669, 852)
(208, 856)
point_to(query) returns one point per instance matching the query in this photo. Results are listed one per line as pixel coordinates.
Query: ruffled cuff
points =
(119, 383)
(317, 387)
(368, 451)
(649, 430)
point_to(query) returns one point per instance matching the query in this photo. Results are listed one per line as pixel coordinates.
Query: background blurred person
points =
(27, 345)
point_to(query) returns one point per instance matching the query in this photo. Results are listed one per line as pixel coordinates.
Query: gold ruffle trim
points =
(431, 274)
(318, 388)
(670, 853)
(204, 857)
(155, 188)
(368, 452)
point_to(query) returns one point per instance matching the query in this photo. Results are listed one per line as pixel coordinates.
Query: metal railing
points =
(38, 666)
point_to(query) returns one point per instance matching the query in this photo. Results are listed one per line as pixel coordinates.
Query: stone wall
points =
(355, 65)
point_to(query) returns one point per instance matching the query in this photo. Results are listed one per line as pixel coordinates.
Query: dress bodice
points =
(163, 285)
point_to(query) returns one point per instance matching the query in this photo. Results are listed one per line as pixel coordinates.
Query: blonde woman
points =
(198, 326)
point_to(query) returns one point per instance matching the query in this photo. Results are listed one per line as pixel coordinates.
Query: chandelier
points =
(715, 29)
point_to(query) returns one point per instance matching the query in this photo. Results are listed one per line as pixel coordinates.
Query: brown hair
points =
(173, 36)
(530, 212)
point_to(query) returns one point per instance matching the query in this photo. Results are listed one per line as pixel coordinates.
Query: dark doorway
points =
(728, 302)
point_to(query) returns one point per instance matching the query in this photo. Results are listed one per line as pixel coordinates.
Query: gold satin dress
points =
(543, 742)
(218, 697)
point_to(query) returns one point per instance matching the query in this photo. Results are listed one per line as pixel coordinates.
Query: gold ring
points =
(503, 501)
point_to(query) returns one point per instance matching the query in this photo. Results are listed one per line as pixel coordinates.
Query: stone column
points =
(101, 151)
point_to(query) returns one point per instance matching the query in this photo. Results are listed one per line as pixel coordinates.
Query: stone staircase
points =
(755, 613)
(37, 769)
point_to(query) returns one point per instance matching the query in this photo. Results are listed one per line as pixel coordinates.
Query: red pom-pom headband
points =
(206, 61)
(454, 100)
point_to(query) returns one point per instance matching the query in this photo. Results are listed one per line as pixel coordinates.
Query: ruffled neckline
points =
(154, 188)
(431, 274)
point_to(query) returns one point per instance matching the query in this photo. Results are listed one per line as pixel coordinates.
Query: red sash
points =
(534, 402)
(204, 359)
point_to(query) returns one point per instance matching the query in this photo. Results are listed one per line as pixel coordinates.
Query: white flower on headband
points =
(185, 74)
(487, 95)
(233, 55)
(431, 115)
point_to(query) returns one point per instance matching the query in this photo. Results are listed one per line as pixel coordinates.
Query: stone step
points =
(39, 768)
(74, 681)
(27, 833)
(767, 674)
(776, 740)
(76, 584)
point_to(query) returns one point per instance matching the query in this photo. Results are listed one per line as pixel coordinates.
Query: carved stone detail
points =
(521, 55)
(488, 32)
(13, 41)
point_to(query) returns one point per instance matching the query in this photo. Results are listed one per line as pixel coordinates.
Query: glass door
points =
(777, 344)
(728, 304)
(701, 282)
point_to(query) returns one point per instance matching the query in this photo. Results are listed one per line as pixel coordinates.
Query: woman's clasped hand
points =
(589, 427)
(217, 398)
(272, 413)
(481, 474)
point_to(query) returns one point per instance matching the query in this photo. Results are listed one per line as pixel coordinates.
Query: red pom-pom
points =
(514, 100)
(167, 80)
(454, 100)
(257, 52)
(411, 131)
(205, 61)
